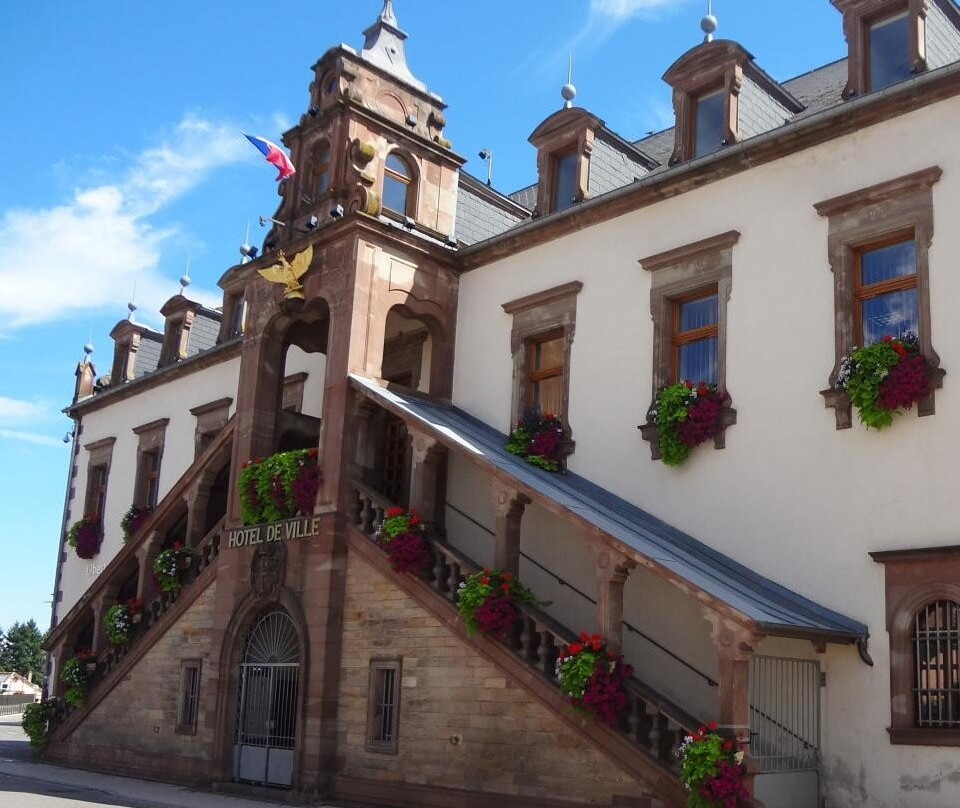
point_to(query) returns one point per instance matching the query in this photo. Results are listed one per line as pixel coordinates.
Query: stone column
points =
(426, 495)
(197, 499)
(612, 569)
(735, 645)
(508, 505)
(145, 555)
(102, 602)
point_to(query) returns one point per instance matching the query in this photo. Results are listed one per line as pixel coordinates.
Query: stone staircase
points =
(645, 740)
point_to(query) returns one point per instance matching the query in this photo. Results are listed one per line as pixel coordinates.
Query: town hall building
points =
(786, 572)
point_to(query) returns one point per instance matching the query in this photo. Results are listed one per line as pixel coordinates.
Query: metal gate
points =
(265, 729)
(785, 727)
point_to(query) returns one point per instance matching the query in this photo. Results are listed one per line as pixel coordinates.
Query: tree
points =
(21, 651)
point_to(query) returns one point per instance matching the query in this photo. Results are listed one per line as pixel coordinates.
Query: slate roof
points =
(775, 609)
(483, 212)
(817, 90)
(204, 331)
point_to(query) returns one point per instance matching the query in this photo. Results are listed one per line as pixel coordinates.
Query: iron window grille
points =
(383, 710)
(936, 644)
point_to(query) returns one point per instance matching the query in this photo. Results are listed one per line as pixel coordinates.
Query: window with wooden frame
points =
(708, 122)
(696, 330)
(545, 372)
(566, 169)
(923, 621)
(399, 186)
(689, 290)
(188, 708)
(541, 342)
(383, 705)
(878, 245)
(98, 472)
(887, 53)
(149, 457)
(886, 41)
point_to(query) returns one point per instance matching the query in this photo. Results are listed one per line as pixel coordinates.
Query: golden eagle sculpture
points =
(289, 273)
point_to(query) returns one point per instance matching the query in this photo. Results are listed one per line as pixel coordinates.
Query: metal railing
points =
(15, 704)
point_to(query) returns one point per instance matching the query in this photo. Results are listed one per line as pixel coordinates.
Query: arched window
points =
(936, 645)
(321, 169)
(398, 192)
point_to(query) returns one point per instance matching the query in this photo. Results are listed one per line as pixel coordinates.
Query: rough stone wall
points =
(506, 742)
(134, 727)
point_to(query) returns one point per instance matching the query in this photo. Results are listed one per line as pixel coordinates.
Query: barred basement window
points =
(937, 685)
(383, 706)
(189, 697)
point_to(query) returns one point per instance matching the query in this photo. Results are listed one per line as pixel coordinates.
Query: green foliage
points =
(22, 651)
(698, 761)
(669, 410)
(398, 521)
(117, 623)
(36, 722)
(167, 565)
(74, 676)
(574, 671)
(518, 441)
(869, 366)
(266, 486)
(475, 590)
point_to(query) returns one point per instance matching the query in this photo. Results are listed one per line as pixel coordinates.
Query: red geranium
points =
(409, 552)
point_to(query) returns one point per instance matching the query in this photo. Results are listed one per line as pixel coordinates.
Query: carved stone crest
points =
(267, 569)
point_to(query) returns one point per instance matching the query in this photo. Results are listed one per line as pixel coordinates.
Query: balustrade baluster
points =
(366, 515)
(381, 514)
(453, 581)
(440, 572)
(356, 510)
(633, 719)
(546, 652)
(653, 739)
(530, 639)
(674, 732)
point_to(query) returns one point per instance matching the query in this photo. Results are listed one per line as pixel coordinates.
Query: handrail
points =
(628, 626)
(129, 550)
(651, 722)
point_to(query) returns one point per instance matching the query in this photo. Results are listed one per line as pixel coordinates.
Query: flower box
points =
(685, 415)
(278, 487)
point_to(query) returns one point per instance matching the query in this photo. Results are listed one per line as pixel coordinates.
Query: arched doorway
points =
(267, 699)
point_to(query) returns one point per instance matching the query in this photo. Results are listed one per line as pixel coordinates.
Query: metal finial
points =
(568, 92)
(131, 307)
(88, 348)
(708, 23)
(185, 277)
(387, 14)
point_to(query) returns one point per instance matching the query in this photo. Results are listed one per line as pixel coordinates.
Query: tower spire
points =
(383, 47)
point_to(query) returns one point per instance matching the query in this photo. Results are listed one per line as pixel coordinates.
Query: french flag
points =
(274, 155)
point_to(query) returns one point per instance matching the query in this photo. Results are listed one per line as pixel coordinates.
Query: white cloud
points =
(31, 437)
(621, 10)
(96, 245)
(15, 410)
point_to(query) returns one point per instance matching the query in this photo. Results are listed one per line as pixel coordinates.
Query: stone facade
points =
(134, 727)
(462, 723)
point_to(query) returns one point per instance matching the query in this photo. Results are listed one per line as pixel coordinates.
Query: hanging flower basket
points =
(685, 416)
(278, 487)
(85, 536)
(133, 520)
(487, 601)
(75, 675)
(119, 620)
(402, 535)
(711, 768)
(885, 379)
(168, 565)
(592, 677)
(538, 439)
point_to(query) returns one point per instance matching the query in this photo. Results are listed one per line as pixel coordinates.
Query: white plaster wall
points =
(314, 365)
(790, 496)
(172, 400)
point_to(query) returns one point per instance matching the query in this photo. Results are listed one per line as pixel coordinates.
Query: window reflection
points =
(565, 181)
(708, 136)
(890, 51)
(887, 291)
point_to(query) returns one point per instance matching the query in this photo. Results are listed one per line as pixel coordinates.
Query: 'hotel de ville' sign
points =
(301, 527)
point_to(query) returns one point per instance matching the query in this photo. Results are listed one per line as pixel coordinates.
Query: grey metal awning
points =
(773, 608)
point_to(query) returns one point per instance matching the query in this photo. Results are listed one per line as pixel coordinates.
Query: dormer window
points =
(888, 51)
(709, 123)
(887, 40)
(398, 195)
(566, 167)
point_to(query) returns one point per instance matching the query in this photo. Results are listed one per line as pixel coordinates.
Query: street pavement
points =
(25, 783)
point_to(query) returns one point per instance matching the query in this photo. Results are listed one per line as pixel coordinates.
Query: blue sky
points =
(122, 160)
